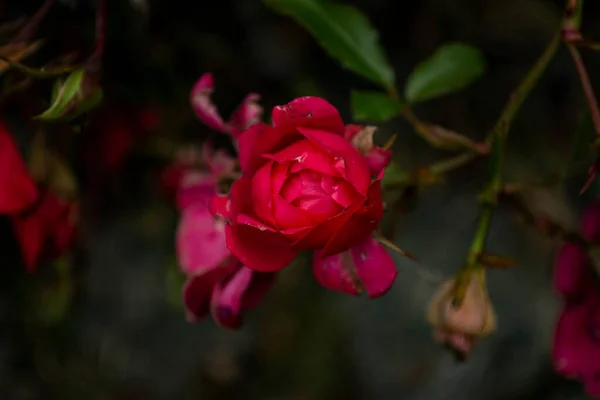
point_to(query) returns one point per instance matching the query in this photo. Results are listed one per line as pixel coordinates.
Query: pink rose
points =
(576, 349)
(303, 187)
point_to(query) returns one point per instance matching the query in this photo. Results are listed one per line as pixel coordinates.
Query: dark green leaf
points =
(393, 175)
(374, 106)
(344, 33)
(449, 69)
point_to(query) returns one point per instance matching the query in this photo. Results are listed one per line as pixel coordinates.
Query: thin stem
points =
(520, 94)
(450, 164)
(100, 29)
(29, 29)
(497, 140)
(587, 87)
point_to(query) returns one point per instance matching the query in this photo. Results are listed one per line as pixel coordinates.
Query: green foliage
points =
(374, 106)
(394, 174)
(72, 97)
(449, 69)
(344, 33)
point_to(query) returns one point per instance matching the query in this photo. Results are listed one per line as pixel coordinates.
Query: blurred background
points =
(117, 330)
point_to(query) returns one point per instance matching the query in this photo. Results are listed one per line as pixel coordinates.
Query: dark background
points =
(124, 335)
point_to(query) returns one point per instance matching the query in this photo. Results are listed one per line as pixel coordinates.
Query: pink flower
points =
(18, 191)
(247, 114)
(225, 291)
(361, 137)
(576, 350)
(304, 187)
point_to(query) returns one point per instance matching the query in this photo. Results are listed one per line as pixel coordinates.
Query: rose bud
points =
(461, 327)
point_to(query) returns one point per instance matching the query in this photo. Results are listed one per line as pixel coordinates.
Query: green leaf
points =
(393, 175)
(449, 69)
(344, 33)
(63, 94)
(374, 106)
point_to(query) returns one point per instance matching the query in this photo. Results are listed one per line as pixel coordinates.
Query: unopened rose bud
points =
(460, 327)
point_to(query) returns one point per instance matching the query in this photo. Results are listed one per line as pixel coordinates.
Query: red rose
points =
(304, 187)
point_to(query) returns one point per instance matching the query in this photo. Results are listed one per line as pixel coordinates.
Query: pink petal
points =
(220, 206)
(590, 222)
(261, 194)
(18, 188)
(360, 225)
(307, 155)
(374, 266)
(572, 275)
(205, 110)
(198, 289)
(226, 301)
(261, 139)
(337, 273)
(31, 235)
(289, 216)
(247, 114)
(356, 168)
(378, 159)
(318, 237)
(313, 112)
(195, 188)
(200, 241)
(257, 246)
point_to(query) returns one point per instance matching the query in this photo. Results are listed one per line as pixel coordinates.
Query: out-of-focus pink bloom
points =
(112, 138)
(248, 112)
(18, 191)
(361, 138)
(576, 350)
(225, 291)
(200, 240)
(47, 231)
(366, 267)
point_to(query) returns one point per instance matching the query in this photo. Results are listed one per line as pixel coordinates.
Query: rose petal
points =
(226, 300)
(205, 110)
(262, 200)
(378, 159)
(337, 273)
(374, 266)
(306, 155)
(197, 292)
(18, 188)
(220, 206)
(200, 241)
(572, 276)
(31, 235)
(356, 168)
(247, 114)
(318, 237)
(590, 222)
(261, 139)
(195, 188)
(257, 246)
(569, 351)
(313, 112)
(289, 216)
(361, 224)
